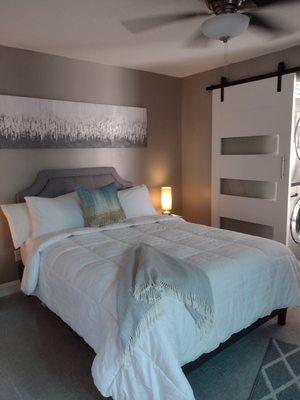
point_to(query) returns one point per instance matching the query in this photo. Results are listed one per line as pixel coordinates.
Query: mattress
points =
(75, 274)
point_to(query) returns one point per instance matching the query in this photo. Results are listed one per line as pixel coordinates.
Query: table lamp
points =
(166, 199)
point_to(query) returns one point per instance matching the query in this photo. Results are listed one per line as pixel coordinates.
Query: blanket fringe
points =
(151, 292)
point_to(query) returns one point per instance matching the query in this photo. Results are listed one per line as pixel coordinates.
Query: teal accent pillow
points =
(101, 206)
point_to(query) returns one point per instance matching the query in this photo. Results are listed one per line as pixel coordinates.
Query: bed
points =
(75, 275)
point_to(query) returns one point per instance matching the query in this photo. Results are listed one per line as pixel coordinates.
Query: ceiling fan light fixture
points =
(225, 26)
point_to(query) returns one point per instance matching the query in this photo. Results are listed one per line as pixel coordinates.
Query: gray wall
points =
(27, 73)
(196, 127)
(173, 105)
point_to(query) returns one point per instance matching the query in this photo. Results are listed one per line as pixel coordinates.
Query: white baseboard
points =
(9, 288)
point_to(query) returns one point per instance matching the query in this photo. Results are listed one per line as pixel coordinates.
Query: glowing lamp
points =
(166, 199)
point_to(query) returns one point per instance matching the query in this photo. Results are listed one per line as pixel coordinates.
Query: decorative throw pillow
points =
(101, 206)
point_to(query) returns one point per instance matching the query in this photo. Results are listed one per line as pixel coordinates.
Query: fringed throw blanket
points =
(146, 278)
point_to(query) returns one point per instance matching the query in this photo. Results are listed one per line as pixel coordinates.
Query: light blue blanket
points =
(145, 279)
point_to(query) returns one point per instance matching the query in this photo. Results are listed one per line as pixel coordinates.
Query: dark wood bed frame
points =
(281, 319)
(52, 183)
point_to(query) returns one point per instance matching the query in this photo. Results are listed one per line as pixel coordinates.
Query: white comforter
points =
(74, 274)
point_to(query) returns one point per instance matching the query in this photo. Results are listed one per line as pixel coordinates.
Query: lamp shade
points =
(225, 26)
(166, 199)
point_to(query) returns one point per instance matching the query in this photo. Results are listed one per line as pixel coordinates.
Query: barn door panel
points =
(251, 144)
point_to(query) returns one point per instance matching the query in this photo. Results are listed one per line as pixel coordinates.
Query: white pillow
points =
(19, 222)
(136, 202)
(54, 215)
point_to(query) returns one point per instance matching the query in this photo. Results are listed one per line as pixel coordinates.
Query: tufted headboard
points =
(56, 182)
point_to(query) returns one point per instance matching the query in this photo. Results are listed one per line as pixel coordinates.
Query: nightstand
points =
(20, 267)
(19, 263)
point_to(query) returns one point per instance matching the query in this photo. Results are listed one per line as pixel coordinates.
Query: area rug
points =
(279, 375)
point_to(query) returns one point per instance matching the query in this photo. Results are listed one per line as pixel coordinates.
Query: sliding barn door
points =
(251, 143)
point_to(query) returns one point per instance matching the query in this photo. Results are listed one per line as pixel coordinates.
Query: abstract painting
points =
(38, 123)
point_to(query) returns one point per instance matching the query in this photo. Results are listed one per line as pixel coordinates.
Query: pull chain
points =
(225, 78)
(226, 58)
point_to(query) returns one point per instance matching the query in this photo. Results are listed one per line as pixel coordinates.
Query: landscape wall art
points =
(38, 123)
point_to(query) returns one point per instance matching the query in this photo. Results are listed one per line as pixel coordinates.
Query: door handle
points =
(282, 167)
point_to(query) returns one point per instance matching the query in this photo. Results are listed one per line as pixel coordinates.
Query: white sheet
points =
(74, 274)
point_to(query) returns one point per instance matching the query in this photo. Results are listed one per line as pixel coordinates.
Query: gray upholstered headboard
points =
(56, 182)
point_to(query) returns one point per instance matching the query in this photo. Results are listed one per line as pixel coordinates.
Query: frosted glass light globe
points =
(225, 26)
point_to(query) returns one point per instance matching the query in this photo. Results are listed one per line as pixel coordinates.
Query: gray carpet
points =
(279, 375)
(41, 358)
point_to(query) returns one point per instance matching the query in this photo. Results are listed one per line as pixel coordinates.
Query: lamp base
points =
(167, 212)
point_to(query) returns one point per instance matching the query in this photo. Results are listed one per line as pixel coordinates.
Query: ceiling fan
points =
(225, 19)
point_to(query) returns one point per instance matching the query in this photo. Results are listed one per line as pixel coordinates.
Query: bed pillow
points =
(54, 215)
(136, 202)
(101, 206)
(19, 222)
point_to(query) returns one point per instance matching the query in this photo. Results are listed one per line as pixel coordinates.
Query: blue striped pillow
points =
(101, 206)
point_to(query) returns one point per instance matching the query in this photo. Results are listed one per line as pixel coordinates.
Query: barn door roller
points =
(281, 70)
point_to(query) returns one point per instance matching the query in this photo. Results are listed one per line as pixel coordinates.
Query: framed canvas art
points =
(38, 123)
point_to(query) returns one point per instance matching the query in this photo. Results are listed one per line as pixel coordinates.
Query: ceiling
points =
(92, 30)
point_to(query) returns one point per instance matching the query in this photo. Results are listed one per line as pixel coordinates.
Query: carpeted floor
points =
(279, 375)
(42, 358)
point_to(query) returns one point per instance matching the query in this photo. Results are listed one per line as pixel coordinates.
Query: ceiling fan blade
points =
(262, 22)
(268, 3)
(198, 39)
(148, 23)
